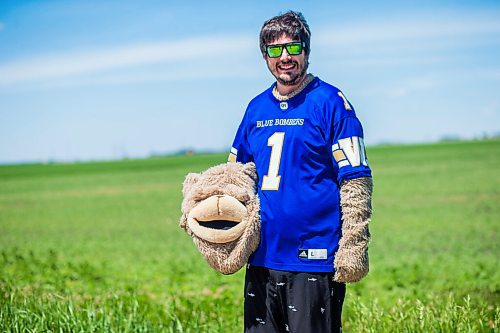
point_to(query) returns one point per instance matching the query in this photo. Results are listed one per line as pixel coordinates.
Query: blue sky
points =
(92, 80)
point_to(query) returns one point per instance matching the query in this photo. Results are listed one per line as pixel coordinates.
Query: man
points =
(314, 189)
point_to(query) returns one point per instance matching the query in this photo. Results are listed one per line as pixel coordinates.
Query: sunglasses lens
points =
(294, 48)
(274, 51)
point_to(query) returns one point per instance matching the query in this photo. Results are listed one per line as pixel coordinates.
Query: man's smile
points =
(287, 66)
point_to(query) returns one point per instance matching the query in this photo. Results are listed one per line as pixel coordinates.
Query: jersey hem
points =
(326, 268)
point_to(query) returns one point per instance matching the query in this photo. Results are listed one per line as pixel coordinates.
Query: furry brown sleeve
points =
(351, 260)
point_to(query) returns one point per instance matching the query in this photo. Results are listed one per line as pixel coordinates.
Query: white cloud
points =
(405, 87)
(200, 49)
(183, 73)
(2, 26)
(410, 44)
(408, 30)
(491, 109)
(404, 42)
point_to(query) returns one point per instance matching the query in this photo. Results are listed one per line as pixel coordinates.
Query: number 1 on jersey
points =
(271, 181)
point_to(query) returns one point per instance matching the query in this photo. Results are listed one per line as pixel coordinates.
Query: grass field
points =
(96, 247)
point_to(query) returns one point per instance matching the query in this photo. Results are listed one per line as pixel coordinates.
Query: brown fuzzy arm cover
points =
(351, 260)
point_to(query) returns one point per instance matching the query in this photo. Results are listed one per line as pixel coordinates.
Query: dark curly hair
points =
(292, 24)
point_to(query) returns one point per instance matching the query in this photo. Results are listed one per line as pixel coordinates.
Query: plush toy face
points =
(218, 219)
(220, 211)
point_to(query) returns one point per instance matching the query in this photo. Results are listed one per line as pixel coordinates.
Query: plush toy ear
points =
(249, 169)
(191, 179)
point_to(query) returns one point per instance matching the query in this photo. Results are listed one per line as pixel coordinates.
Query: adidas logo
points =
(302, 253)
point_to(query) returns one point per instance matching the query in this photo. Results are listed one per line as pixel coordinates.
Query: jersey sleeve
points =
(240, 150)
(348, 147)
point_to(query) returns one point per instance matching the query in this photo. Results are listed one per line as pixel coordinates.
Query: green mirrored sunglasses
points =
(293, 48)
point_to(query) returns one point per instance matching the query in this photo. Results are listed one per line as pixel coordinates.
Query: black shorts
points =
(278, 301)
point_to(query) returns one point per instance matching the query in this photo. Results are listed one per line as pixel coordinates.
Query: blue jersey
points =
(303, 149)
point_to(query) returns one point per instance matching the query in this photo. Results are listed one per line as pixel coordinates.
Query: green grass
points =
(96, 247)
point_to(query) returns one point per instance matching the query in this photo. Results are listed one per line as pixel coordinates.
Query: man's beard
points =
(294, 78)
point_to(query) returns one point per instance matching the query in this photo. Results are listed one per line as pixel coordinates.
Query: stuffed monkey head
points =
(220, 211)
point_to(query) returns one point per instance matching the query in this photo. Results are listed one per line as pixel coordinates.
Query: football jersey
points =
(303, 149)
